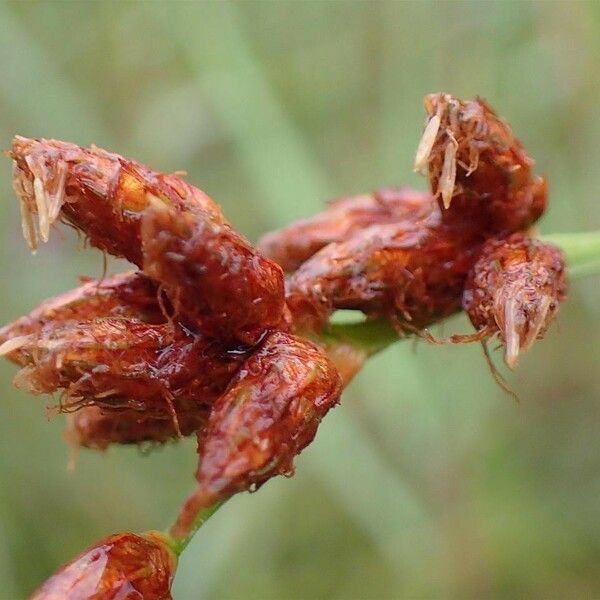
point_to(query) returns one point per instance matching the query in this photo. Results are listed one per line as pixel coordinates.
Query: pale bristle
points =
(107, 393)
(22, 188)
(41, 203)
(14, 344)
(57, 198)
(426, 145)
(510, 332)
(538, 323)
(31, 187)
(29, 232)
(25, 379)
(448, 176)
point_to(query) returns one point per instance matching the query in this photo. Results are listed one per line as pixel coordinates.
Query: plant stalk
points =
(582, 253)
(178, 545)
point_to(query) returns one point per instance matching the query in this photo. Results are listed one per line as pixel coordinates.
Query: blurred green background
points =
(428, 481)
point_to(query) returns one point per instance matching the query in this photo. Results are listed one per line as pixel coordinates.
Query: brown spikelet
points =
(124, 565)
(291, 246)
(214, 277)
(516, 288)
(478, 168)
(269, 413)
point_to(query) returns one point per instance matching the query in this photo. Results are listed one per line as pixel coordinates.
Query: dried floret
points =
(122, 566)
(100, 193)
(161, 371)
(515, 289)
(296, 243)
(59, 344)
(269, 413)
(477, 168)
(413, 276)
(110, 199)
(124, 295)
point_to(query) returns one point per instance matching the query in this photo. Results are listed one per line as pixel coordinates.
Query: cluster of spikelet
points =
(214, 337)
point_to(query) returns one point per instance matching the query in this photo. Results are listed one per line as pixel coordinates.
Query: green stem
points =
(178, 545)
(582, 252)
(371, 336)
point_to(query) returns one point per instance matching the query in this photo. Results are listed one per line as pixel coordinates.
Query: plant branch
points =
(178, 545)
(582, 253)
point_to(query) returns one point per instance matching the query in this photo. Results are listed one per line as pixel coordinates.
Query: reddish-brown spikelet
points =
(100, 193)
(111, 199)
(130, 298)
(158, 370)
(93, 427)
(269, 413)
(124, 566)
(291, 246)
(126, 295)
(413, 275)
(515, 288)
(213, 276)
(478, 169)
